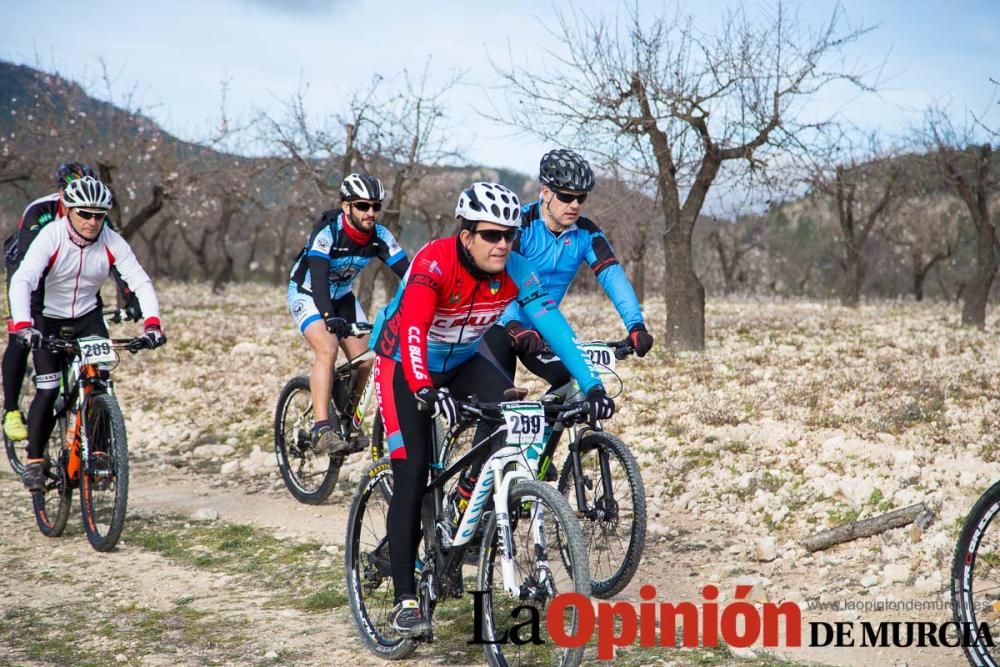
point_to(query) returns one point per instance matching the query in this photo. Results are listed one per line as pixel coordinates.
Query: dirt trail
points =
(678, 564)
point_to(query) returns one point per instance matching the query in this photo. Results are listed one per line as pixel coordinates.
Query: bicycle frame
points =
(500, 471)
(80, 381)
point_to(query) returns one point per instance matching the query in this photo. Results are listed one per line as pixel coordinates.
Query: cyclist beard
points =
(356, 223)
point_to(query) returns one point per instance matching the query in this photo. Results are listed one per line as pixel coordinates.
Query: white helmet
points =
(87, 192)
(489, 202)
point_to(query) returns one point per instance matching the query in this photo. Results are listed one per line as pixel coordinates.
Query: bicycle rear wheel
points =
(613, 520)
(104, 478)
(975, 578)
(310, 477)
(549, 558)
(52, 504)
(17, 449)
(366, 567)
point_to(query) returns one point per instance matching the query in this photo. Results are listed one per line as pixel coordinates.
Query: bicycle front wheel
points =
(366, 566)
(549, 558)
(613, 512)
(52, 504)
(975, 577)
(104, 478)
(310, 477)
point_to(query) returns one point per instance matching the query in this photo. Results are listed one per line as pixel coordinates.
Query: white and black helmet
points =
(87, 192)
(361, 186)
(489, 202)
(562, 169)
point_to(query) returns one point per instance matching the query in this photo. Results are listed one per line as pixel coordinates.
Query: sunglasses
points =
(363, 206)
(569, 197)
(494, 235)
(90, 215)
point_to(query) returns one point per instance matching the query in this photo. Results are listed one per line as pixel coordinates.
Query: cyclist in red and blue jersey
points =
(556, 240)
(426, 343)
(321, 297)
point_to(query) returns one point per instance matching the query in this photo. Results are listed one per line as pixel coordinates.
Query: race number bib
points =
(602, 357)
(525, 425)
(96, 350)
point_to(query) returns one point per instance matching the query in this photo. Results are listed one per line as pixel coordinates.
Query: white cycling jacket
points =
(72, 276)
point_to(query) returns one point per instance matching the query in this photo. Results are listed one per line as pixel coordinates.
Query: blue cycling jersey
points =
(557, 258)
(344, 256)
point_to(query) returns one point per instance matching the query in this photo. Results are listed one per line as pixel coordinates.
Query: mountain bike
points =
(600, 478)
(530, 551)
(311, 477)
(975, 572)
(90, 448)
(16, 448)
(602, 482)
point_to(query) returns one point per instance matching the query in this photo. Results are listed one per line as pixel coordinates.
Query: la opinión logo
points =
(738, 623)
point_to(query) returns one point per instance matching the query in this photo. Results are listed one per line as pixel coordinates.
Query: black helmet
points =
(70, 171)
(361, 186)
(562, 169)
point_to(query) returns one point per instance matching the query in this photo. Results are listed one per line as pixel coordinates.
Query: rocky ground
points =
(798, 417)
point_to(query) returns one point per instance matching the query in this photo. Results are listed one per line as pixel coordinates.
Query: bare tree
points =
(733, 242)
(970, 168)
(859, 184)
(924, 226)
(678, 104)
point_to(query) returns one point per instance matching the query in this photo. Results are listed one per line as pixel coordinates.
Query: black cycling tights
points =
(15, 365)
(411, 458)
(498, 344)
(48, 367)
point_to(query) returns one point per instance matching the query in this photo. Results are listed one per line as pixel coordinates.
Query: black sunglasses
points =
(91, 215)
(494, 235)
(363, 206)
(569, 197)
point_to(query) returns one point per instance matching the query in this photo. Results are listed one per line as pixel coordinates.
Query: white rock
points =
(869, 580)
(229, 468)
(271, 655)
(896, 572)
(903, 457)
(929, 584)
(212, 451)
(246, 347)
(814, 470)
(205, 514)
(766, 549)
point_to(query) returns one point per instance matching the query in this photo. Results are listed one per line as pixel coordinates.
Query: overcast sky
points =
(176, 54)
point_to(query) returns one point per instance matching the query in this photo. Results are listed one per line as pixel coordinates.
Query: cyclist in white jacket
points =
(69, 260)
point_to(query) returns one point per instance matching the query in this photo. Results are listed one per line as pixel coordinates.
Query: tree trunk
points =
(977, 292)
(854, 276)
(683, 291)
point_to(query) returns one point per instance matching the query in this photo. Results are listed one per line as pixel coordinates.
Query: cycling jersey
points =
(557, 258)
(336, 253)
(36, 215)
(71, 276)
(444, 305)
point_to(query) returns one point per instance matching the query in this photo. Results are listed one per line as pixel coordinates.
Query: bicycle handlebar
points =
(622, 348)
(133, 345)
(564, 412)
(359, 329)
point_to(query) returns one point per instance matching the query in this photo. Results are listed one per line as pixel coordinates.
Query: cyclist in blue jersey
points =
(321, 297)
(556, 239)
